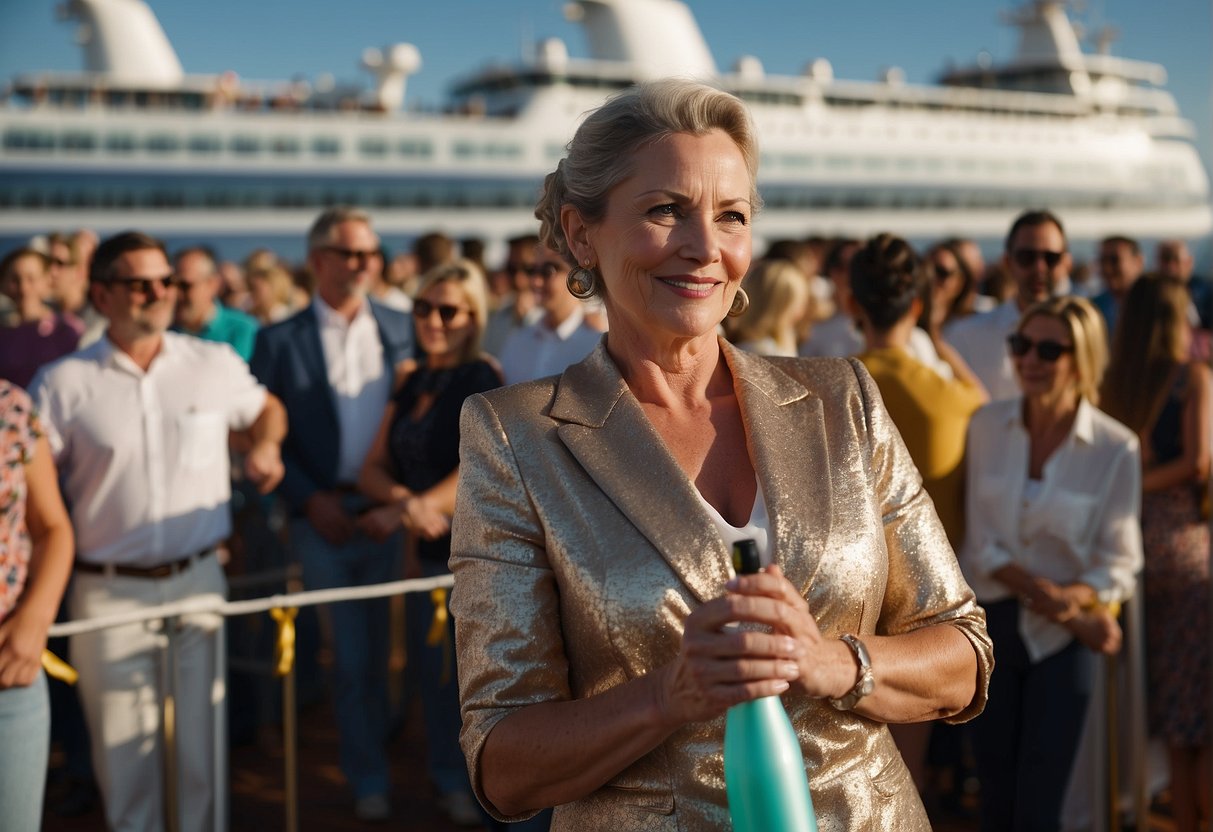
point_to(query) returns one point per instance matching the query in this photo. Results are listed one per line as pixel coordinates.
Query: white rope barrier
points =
(210, 606)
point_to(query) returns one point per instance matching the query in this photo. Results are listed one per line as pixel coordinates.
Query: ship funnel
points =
(391, 67)
(122, 40)
(1047, 35)
(658, 38)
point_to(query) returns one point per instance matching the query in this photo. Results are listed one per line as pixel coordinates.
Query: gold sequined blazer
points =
(580, 547)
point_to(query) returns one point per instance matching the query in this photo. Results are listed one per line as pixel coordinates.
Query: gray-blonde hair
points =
(599, 156)
(321, 232)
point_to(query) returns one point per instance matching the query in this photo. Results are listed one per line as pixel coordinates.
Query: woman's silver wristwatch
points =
(866, 681)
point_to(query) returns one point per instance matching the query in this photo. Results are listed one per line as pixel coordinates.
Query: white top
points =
(1079, 524)
(143, 457)
(835, 337)
(360, 379)
(981, 341)
(839, 337)
(758, 528)
(535, 351)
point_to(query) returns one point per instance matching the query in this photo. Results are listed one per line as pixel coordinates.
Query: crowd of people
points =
(1006, 456)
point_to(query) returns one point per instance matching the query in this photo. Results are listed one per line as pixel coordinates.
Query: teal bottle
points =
(764, 771)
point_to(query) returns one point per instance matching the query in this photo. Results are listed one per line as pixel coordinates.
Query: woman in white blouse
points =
(1052, 546)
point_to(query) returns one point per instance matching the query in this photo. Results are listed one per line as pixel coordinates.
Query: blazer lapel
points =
(786, 431)
(608, 433)
(311, 353)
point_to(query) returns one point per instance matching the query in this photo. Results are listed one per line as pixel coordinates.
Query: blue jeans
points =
(438, 684)
(25, 742)
(1026, 739)
(360, 647)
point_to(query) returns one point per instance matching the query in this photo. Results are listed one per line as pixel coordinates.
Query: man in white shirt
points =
(1038, 259)
(560, 338)
(333, 365)
(139, 425)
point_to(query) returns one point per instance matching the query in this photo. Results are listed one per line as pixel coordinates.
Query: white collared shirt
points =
(360, 380)
(1081, 524)
(536, 351)
(143, 456)
(981, 341)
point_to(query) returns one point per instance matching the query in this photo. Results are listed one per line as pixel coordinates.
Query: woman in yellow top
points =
(931, 412)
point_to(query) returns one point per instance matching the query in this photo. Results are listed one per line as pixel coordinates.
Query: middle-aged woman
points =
(412, 469)
(1164, 397)
(1052, 544)
(40, 334)
(36, 547)
(596, 510)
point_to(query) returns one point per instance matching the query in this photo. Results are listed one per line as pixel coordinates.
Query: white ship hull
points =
(842, 158)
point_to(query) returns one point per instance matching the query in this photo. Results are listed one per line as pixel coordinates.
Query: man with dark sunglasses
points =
(333, 365)
(519, 307)
(139, 424)
(1038, 259)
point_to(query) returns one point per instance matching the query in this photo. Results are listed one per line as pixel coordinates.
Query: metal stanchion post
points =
(168, 723)
(1113, 725)
(219, 721)
(1136, 667)
(290, 737)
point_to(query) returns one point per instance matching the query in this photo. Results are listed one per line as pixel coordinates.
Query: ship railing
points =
(1118, 777)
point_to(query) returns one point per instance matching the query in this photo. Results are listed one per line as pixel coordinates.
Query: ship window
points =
(204, 144)
(162, 143)
(285, 146)
(28, 140)
(373, 146)
(463, 150)
(246, 145)
(325, 146)
(79, 140)
(414, 147)
(503, 151)
(120, 143)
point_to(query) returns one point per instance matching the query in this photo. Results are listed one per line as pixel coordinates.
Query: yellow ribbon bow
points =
(284, 650)
(57, 668)
(439, 634)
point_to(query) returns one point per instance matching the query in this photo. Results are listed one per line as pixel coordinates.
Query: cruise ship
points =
(135, 141)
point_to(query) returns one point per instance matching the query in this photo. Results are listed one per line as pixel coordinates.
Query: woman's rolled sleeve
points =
(505, 600)
(1116, 556)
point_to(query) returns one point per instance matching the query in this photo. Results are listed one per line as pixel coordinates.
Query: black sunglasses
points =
(1049, 351)
(1026, 258)
(143, 285)
(347, 254)
(942, 273)
(545, 270)
(423, 309)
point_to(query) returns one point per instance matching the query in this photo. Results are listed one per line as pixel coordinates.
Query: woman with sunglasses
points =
(1158, 392)
(411, 470)
(1052, 545)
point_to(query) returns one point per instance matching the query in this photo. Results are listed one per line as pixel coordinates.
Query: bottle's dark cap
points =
(746, 560)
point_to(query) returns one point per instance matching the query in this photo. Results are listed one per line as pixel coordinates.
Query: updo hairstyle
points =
(886, 277)
(600, 154)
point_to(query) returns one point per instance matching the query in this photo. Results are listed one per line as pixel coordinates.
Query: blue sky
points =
(273, 39)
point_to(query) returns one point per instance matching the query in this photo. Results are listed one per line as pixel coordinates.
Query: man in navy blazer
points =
(333, 365)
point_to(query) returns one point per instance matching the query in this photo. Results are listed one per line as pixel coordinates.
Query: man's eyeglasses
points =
(143, 285)
(448, 313)
(348, 254)
(1026, 258)
(1046, 350)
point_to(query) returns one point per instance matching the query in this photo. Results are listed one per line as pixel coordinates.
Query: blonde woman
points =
(1051, 543)
(412, 469)
(779, 302)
